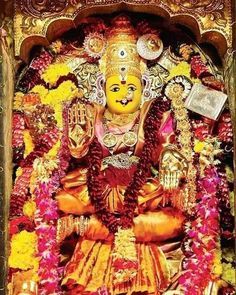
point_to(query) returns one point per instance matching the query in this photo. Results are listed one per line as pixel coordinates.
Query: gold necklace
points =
(120, 119)
(129, 139)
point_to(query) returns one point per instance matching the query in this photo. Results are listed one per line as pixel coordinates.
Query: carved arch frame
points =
(213, 21)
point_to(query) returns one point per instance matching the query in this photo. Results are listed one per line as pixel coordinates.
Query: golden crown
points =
(121, 56)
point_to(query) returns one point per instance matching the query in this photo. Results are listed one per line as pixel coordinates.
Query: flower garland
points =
(31, 76)
(23, 251)
(125, 221)
(20, 191)
(46, 216)
(202, 237)
(55, 98)
(18, 136)
(45, 160)
(54, 72)
(151, 127)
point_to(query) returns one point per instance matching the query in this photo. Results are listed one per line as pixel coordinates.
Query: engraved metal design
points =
(213, 17)
(109, 140)
(155, 78)
(149, 46)
(91, 81)
(42, 8)
(94, 45)
(130, 138)
(212, 8)
(121, 161)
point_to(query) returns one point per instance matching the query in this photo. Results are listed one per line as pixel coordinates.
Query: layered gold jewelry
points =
(129, 138)
(173, 166)
(177, 90)
(120, 119)
(81, 225)
(65, 227)
(121, 161)
(68, 224)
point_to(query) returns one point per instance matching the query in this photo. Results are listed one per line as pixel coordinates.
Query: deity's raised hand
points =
(173, 167)
(81, 127)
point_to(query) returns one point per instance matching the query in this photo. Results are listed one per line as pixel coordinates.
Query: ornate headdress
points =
(120, 51)
(121, 56)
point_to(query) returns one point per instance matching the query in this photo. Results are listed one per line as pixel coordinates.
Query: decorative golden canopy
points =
(40, 22)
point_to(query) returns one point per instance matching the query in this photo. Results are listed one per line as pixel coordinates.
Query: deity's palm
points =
(81, 126)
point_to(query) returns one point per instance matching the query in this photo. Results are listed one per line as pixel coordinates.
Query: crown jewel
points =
(121, 56)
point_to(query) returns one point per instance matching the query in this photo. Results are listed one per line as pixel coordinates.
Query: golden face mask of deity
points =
(123, 98)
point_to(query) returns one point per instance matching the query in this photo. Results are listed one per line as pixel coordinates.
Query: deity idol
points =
(120, 145)
(126, 221)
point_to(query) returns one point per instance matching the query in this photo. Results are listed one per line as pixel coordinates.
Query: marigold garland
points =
(66, 91)
(185, 70)
(40, 90)
(29, 145)
(54, 71)
(23, 251)
(29, 208)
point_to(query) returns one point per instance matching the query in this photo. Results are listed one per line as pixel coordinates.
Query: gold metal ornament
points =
(121, 161)
(177, 89)
(29, 288)
(149, 46)
(130, 138)
(173, 166)
(109, 140)
(121, 56)
(94, 45)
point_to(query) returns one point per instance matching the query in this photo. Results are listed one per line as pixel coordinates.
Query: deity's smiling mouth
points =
(124, 101)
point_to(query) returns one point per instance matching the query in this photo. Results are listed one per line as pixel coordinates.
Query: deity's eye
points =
(132, 88)
(114, 88)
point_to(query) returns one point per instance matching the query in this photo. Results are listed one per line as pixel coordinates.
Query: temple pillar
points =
(6, 98)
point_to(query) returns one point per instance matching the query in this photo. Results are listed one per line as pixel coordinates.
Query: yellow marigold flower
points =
(29, 145)
(19, 172)
(33, 182)
(199, 146)
(23, 250)
(54, 150)
(29, 208)
(183, 68)
(17, 102)
(54, 72)
(41, 90)
(66, 91)
(232, 206)
(56, 46)
(228, 273)
(217, 268)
